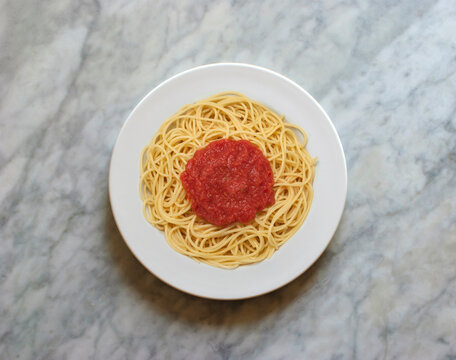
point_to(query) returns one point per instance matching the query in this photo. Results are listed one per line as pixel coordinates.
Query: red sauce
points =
(228, 181)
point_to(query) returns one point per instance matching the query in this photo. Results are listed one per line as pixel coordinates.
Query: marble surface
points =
(71, 71)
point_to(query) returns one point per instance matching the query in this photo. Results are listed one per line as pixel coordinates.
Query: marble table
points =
(70, 72)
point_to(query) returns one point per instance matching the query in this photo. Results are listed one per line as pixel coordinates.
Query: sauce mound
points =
(228, 181)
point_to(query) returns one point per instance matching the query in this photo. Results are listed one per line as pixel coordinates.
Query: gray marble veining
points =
(70, 72)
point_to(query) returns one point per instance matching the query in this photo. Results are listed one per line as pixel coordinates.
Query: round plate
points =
(294, 257)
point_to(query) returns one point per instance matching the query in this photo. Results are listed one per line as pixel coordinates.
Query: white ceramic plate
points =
(293, 258)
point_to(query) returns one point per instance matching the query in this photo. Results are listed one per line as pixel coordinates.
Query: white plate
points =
(293, 258)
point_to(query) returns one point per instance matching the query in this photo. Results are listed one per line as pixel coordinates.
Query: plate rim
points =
(244, 65)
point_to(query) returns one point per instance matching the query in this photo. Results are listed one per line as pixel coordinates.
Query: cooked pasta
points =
(234, 116)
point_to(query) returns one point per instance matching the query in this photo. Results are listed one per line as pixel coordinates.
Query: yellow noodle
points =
(235, 116)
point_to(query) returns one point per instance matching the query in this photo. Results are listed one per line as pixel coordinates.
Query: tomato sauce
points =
(228, 181)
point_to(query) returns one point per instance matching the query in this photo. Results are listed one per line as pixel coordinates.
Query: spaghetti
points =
(234, 116)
